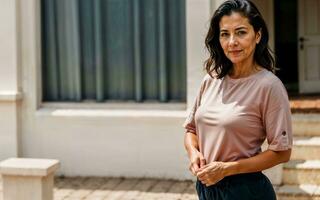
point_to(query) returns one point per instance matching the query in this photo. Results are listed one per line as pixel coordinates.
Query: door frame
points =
(305, 86)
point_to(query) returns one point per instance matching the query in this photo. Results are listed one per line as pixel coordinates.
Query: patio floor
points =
(97, 188)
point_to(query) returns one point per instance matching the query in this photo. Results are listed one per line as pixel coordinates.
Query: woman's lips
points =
(235, 52)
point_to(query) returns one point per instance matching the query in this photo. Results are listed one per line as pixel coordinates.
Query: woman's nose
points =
(233, 40)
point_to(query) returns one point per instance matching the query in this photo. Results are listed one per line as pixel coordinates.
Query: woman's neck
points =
(243, 70)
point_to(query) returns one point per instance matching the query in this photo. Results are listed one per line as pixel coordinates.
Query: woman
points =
(240, 104)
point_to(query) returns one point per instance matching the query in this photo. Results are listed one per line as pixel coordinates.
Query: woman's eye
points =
(223, 34)
(241, 33)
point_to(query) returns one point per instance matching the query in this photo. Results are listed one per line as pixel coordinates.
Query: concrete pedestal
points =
(25, 178)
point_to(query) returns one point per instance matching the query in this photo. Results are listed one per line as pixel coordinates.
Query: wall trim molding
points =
(10, 96)
(126, 113)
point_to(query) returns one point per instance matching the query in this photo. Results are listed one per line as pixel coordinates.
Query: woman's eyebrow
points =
(241, 27)
(223, 30)
(238, 28)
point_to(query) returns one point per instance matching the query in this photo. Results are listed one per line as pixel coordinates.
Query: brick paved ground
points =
(97, 188)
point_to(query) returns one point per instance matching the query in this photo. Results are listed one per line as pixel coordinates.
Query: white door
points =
(309, 45)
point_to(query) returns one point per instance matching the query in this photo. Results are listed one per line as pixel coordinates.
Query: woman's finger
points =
(201, 172)
(195, 167)
(203, 179)
(202, 162)
(191, 169)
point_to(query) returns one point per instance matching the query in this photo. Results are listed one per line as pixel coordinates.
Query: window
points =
(124, 50)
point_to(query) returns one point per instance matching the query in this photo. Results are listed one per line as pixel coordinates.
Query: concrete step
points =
(306, 124)
(306, 148)
(297, 172)
(298, 192)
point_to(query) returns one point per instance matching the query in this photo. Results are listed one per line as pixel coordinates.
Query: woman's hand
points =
(215, 171)
(196, 161)
(212, 173)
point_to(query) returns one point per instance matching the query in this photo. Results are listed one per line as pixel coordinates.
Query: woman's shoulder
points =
(271, 83)
(212, 76)
(209, 79)
(270, 80)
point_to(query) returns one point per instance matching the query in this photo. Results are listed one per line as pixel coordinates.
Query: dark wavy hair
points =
(218, 62)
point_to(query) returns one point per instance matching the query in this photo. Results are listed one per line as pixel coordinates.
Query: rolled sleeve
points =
(277, 120)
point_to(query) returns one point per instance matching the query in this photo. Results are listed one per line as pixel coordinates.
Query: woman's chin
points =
(236, 60)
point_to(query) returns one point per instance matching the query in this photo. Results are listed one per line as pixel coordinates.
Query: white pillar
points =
(24, 178)
(198, 16)
(9, 80)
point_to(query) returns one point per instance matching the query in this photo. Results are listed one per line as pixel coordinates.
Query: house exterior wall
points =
(91, 139)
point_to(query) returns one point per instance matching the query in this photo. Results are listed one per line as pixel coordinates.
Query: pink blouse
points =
(233, 117)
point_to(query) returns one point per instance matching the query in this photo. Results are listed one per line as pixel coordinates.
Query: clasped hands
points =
(208, 174)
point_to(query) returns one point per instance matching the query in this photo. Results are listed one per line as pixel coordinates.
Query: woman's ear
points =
(258, 36)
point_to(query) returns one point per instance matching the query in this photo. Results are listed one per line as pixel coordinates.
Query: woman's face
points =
(237, 38)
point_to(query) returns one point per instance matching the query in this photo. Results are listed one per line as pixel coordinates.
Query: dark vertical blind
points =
(114, 50)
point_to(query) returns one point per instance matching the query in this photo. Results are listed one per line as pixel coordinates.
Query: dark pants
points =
(251, 186)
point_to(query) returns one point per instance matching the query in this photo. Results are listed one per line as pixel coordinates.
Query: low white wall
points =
(110, 143)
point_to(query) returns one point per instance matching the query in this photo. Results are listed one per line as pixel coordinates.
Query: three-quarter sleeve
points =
(189, 123)
(277, 118)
